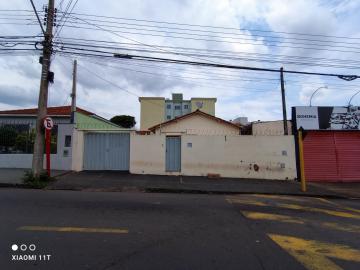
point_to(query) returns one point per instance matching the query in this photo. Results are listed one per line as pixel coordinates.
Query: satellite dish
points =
(199, 104)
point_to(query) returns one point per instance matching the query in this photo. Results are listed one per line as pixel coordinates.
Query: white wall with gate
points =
(106, 151)
(265, 157)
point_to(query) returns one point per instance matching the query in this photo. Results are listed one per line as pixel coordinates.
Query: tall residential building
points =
(155, 110)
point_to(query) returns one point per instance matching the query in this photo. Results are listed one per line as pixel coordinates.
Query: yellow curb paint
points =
(320, 210)
(72, 229)
(314, 254)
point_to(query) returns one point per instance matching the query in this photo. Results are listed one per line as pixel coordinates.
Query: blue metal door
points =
(107, 151)
(173, 154)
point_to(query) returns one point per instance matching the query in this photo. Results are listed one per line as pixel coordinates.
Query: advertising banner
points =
(327, 118)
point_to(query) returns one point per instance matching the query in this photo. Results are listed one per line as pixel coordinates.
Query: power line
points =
(57, 33)
(63, 45)
(131, 46)
(98, 28)
(184, 62)
(234, 39)
(216, 27)
(37, 16)
(74, 19)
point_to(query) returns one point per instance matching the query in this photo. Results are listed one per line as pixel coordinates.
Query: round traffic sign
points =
(48, 123)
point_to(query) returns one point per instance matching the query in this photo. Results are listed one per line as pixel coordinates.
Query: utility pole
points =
(283, 101)
(38, 156)
(73, 94)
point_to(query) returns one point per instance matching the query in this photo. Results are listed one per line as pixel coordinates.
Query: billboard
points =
(327, 118)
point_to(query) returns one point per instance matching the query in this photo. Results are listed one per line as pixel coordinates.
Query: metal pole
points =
(283, 101)
(301, 158)
(73, 94)
(48, 149)
(38, 156)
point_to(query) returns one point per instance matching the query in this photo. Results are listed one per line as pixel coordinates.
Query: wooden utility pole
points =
(73, 94)
(38, 156)
(283, 101)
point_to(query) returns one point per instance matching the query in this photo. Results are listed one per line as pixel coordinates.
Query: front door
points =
(173, 154)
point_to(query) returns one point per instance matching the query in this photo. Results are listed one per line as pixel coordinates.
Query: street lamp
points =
(315, 92)
(349, 104)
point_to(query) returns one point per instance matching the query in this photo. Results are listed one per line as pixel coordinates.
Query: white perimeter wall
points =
(59, 161)
(229, 156)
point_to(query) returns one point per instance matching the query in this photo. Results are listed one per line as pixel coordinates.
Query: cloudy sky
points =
(304, 35)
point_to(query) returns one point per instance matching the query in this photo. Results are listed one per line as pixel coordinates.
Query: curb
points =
(192, 191)
(8, 185)
(198, 191)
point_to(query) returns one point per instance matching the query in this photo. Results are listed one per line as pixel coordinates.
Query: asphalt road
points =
(98, 230)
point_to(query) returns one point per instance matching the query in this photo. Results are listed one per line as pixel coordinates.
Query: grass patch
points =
(36, 182)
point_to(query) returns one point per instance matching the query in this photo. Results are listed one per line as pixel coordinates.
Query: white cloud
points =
(235, 98)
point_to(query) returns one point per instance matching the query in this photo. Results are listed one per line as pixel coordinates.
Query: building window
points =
(177, 107)
(186, 106)
(168, 106)
(68, 141)
(168, 117)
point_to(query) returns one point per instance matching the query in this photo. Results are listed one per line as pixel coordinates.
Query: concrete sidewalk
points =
(117, 181)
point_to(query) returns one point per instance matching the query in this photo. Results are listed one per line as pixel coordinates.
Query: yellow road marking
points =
(320, 210)
(313, 254)
(339, 205)
(72, 229)
(341, 227)
(245, 201)
(289, 219)
(274, 217)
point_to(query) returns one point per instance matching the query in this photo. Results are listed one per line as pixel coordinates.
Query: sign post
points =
(48, 124)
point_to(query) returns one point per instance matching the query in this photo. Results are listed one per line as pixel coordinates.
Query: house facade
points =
(17, 133)
(196, 123)
(154, 110)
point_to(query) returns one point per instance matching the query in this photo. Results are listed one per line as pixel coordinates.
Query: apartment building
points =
(155, 110)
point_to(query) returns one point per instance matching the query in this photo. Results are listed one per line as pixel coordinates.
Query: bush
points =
(36, 182)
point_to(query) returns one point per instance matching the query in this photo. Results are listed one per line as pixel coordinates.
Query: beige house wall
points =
(198, 125)
(239, 156)
(147, 154)
(208, 105)
(265, 157)
(270, 128)
(151, 112)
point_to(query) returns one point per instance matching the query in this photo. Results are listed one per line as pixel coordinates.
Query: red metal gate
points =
(332, 156)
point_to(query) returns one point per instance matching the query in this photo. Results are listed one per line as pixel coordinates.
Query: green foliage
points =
(36, 182)
(25, 141)
(125, 121)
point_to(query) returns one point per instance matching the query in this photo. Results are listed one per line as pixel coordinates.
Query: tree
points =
(125, 121)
